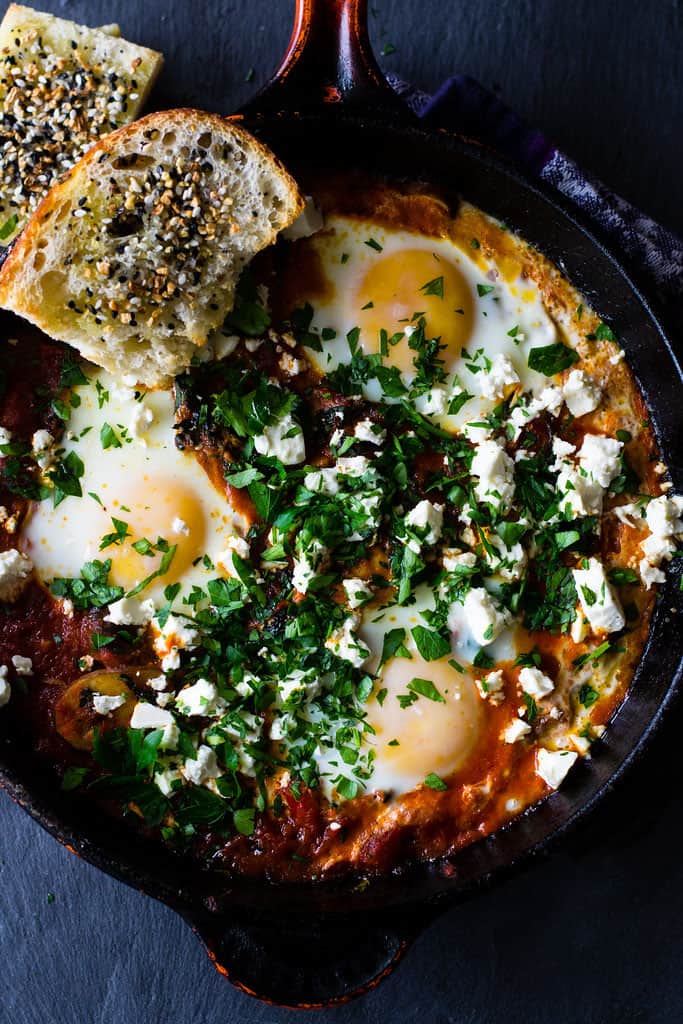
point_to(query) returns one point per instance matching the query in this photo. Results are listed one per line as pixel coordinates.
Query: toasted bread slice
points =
(62, 87)
(134, 256)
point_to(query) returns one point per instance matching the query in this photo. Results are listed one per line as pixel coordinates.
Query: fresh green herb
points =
(73, 777)
(430, 644)
(393, 645)
(66, 477)
(374, 244)
(433, 287)
(425, 688)
(484, 289)
(164, 566)
(587, 695)
(622, 577)
(109, 437)
(119, 534)
(243, 820)
(434, 781)
(8, 227)
(552, 359)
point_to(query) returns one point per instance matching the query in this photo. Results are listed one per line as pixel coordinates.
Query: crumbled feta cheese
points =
(600, 457)
(515, 730)
(536, 683)
(650, 574)
(175, 634)
(322, 481)
(180, 527)
(561, 450)
(5, 688)
(41, 446)
(158, 683)
(581, 394)
(553, 765)
(353, 465)
(234, 545)
(454, 559)
(617, 357)
(15, 569)
(306, 565)
(366, 430)
(358, 592)
(579, 492)
(291, 366)
(283, 440)
(149, 716)
(5, 436)
(297, 684)
(309, 221)
(500, 376)
(486, 620)
(165, 780)
(224, 345)
(491, 687)
(202, 768)
(598, 600)
(202, 698)
(128, 611)
(253, 344)
(427, 519)
(104, 704)
(495, 472)
(347, 645)
(434, 402)
(337, 438)
(22, 666)
(141, 420)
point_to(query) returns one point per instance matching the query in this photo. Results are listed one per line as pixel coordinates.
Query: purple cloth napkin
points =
(465, 106)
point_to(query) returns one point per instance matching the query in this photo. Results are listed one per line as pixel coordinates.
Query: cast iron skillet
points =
(329, 106)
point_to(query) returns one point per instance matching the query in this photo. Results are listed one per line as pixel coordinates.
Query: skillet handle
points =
(329, 61)
(309, 961)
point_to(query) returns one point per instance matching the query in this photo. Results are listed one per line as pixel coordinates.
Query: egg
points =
(384, 279)
(132, 473)
(428, 735)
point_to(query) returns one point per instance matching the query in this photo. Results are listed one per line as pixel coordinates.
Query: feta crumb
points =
(495, 471)
(41, 447)
(322, 481)
(500, 376)
(434, 402)
(5, 436)
(22, 666)
(561, 451)
(291, 366)
(158, 683)
(553, 765)
(253, 344)
(284, 440)
(454, 559)
(309, 221)
(148, 716)
(128, 611)
(491, 687)
(515, 730)
(366, 430)
(581, 394)
(598, 600)
(180, 527)
(427, 519)
(202, 768)
(202, 698)
(579, 492)
(234, 545)
(306, 565)
(347, 645)
(337, 438)
(5, 688)
(650, 574)
(358, 592)
(165, 779)
(224, 345)
(141, 420)
(104, 704)
(353, 465)
(600, 457)
(536, 683)
(486, 620)
(15, 569)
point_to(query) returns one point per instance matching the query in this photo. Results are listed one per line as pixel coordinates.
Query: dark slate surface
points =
(592, 935)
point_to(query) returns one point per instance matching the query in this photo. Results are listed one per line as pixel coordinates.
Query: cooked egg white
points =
(141, 479)
(384, 284)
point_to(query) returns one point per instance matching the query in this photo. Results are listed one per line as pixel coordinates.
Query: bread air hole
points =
(53, 286)
(39, 261)
(204, 141)
(131, 160)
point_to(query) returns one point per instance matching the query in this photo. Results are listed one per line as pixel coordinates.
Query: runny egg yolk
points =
(409, 281)
(157, 510)
(426, 736)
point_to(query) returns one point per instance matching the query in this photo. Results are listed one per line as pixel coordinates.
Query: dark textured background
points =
(593, 934)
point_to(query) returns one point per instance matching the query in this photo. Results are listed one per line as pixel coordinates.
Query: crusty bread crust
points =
(134, 256)
(63, 86)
